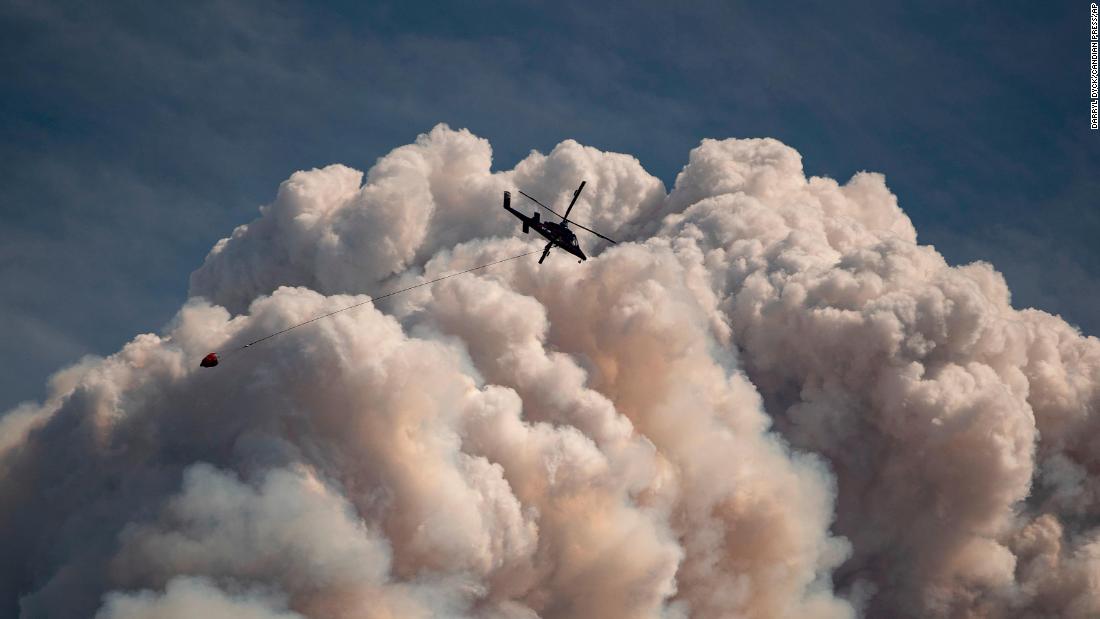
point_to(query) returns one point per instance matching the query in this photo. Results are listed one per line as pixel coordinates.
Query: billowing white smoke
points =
(772, 402)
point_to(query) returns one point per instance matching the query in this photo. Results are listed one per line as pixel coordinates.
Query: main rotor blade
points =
(576, 194)
(613, 241)
(540, 204)
(569, 220)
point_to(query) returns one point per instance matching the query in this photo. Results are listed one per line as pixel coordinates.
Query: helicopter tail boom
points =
(533, 220)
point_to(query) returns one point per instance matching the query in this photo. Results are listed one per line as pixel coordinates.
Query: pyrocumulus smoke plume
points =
(770, 401)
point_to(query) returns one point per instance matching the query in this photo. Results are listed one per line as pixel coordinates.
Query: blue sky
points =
(135, 135)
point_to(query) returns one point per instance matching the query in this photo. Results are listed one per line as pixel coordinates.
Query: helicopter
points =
(558, 234)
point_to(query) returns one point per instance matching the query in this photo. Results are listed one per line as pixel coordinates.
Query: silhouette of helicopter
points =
(558, 234)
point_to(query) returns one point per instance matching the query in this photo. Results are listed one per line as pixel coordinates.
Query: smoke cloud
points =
(769, 400)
